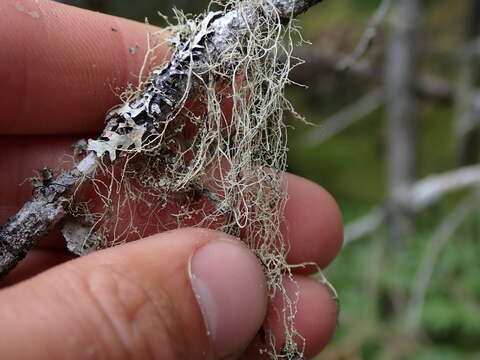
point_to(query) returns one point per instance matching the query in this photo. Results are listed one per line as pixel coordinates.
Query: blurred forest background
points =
(394, 86)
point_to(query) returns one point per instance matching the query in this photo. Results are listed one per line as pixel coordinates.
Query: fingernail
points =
(229, 285)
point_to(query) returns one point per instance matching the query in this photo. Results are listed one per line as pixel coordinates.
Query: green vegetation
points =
(374, 284)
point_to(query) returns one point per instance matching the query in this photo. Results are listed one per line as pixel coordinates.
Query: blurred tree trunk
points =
(467, 103)
(400, 72)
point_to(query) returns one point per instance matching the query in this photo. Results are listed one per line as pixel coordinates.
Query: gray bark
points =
(38, 215)
(401, 115)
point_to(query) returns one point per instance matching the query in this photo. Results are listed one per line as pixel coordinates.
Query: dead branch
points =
(364, 226)
(368, 36)
(437, 242)
(40, 213)
(431, 189)
(364, 106)
(345, 117)
(163, 96)
(318, 62)
(422, 194)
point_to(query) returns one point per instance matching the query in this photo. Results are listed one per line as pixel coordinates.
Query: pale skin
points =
(134, 301)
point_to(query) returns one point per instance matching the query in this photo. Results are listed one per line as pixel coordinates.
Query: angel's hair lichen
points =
(205, 167)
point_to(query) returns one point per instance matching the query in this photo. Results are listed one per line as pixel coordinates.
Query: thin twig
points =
(364, 226)
(345, 117)
(437, 242)
(318, 61)
(40, 214)
(368, 36)
(429, 190)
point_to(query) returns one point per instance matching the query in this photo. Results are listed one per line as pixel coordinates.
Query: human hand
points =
(136, 300)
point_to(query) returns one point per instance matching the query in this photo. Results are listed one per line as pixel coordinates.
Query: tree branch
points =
(40, 213)
(318, 62)
(429, 190)
(368, 36)
(430, 255)
(345, 117)
(136, 122)
(364, 226)
(422, 194)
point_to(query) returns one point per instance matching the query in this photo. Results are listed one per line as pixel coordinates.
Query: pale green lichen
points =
(209, 168)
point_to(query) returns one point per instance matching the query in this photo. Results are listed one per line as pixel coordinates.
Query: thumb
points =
(184, 294)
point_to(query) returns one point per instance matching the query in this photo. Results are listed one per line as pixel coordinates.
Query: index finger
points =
(61, 64)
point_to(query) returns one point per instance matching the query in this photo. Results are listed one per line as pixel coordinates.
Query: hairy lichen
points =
(200, 142)
(205, 167)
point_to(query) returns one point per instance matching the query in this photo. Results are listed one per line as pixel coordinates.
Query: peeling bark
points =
(42, 212)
